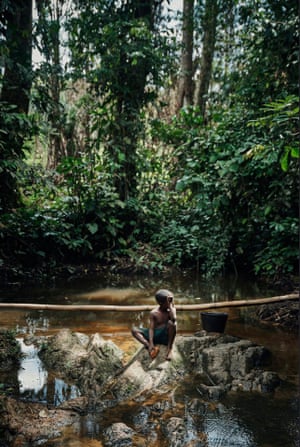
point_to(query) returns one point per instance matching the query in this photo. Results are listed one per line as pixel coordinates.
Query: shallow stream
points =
(246, 420)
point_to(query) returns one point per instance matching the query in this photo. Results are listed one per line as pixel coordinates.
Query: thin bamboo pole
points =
(140, 308)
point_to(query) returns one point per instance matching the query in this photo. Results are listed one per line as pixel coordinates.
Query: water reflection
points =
(224, 429)
(236, 423)
(63, 391)
(114, 288)
(35, 322)
(117, 289)
(36, 384)
(32, 376)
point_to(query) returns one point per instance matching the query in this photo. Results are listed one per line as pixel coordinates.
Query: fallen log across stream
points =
(140, 308)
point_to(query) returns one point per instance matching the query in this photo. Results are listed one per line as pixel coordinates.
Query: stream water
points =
(243, 420)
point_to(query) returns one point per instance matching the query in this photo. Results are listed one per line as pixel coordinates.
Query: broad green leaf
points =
(295, 152)
(92, 227)
(284, 161)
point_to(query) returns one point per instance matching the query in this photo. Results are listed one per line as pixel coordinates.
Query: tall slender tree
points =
(208, 49)
(121, 56)
(16, 30)
(186, 84)
(48, 36)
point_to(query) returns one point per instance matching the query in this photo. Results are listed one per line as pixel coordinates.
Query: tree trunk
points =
(16, 85)
(17, 72)
(147, 307)
(186, 87)
(209, 40)
(50, 14)
(130, 97)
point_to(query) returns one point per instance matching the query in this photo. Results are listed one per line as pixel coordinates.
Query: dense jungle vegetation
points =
(136, 134)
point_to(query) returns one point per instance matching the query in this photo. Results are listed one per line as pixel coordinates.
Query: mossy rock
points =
(10, 351)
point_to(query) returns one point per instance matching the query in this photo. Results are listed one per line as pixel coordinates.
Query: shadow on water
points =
(240, 420)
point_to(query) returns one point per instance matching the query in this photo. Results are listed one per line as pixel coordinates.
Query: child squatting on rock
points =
(162, 328)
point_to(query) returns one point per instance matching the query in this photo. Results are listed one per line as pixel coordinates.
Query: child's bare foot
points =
(154, 352)
(169, 355)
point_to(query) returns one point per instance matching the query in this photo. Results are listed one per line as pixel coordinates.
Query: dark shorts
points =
(160, 335)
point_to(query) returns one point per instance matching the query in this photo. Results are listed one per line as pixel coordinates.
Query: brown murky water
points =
(246, 421)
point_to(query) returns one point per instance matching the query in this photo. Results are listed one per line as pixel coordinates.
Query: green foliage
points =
(78, 219)
(15, 127)
(281, 119)
(125, 60)
(232, 197)
(211, 194)
(265, 65)
(10, 351)
(194, 239)
(15, 130)
(280, 252)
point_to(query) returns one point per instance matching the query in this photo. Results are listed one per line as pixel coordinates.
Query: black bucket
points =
(214, 321)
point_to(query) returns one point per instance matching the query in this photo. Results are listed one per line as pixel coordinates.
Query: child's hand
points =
(171, 301)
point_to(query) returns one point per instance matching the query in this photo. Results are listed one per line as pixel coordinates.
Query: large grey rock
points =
(32, 423)
(118, 435)
(180, 433)
(219, 363)
(88, 361)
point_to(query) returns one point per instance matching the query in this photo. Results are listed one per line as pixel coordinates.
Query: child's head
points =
(164, 296)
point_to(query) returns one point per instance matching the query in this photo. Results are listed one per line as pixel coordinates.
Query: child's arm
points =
(172, 309)
(151, 331)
